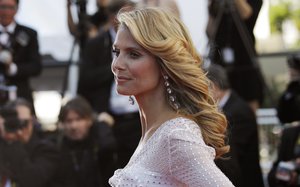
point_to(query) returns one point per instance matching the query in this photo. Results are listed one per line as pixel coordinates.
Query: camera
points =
(7, 93)
(11, 121)
(287, 173)
(284, 170)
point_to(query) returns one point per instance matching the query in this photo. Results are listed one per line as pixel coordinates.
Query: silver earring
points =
(131, 100)
(171, 95)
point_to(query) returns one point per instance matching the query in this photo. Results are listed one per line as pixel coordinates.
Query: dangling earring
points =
(171, 95)
(131, 100)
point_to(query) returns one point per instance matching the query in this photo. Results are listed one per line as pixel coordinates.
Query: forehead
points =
(72, 114)
(23, 111)
(124, 37)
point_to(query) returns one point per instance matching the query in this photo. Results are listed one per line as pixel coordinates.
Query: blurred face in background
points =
(24, 134)
(216, 92)
(102, 3)
(24, 114)
(76, 127)
(8, 10)
(294, 74)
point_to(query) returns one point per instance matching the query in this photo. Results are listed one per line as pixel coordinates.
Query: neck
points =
(154, 111)
(223, 93)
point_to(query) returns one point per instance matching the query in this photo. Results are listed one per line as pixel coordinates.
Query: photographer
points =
(19, 51)
(286, 169)
(88, 26)
(26, 160)
(86, 146)
(288, 108)
(230, 31)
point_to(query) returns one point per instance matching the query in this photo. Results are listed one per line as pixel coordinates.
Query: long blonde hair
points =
(165, 36)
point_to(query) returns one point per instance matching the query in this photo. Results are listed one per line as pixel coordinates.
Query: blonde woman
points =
(182, 131)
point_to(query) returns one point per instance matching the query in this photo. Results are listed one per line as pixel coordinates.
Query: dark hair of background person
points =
(114, 6)
(294, 61)
(80, 106)
(20, 102)
(218, 75)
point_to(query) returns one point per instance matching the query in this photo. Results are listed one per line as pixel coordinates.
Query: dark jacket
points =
(236, 34)
(288, 109)
(243, 141)
(29, 165)
(95, 76)
(87, 163)
(25, 51)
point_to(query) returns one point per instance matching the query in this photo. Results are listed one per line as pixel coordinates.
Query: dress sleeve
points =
(191, 161)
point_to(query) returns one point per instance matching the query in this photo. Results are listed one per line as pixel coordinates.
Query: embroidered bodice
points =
(175, 155)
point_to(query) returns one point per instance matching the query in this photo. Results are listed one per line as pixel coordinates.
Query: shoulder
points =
(183, 129)
(103, 135)
(294, 87)
(185, 134)
(237, 101)
(99, 39)
(291, 131)
(180, 123)
(26, 29)
(237, 106)
(43, 146)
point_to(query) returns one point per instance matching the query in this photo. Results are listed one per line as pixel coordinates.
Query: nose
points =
(117, 64)
(71, 124)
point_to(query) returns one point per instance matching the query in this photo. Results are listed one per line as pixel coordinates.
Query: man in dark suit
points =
(96, 84)
(243, 165)
(19, 51)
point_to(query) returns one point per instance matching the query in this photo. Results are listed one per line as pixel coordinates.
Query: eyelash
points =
(115, 52)
(133, 55)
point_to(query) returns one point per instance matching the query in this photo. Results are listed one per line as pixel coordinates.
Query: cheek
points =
(68, 128)
(83, 127)
(10, 136)
(147, 70)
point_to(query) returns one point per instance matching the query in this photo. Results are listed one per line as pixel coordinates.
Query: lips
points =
(122, 79)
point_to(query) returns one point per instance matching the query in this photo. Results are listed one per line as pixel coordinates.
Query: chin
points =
(124, 92)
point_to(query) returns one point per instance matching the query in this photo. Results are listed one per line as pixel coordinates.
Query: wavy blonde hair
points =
(165, 36)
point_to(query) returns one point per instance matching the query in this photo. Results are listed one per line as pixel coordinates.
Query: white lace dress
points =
(175, 155)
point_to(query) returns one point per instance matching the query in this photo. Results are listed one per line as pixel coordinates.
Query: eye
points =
(116, 52)
(134, 54)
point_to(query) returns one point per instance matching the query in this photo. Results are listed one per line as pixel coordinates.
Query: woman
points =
(182, 130)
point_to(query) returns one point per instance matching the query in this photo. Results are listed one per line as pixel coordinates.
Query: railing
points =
(269, 129)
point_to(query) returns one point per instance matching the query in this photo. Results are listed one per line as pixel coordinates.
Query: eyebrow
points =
(130, 48)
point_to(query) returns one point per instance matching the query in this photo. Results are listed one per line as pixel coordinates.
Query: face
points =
(76, 127)
(216, 91)
(23, 135)
(8, 9)
(102, 3)
(136, 70)
(294, 74)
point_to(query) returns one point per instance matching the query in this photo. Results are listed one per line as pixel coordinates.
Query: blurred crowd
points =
(98, 130)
